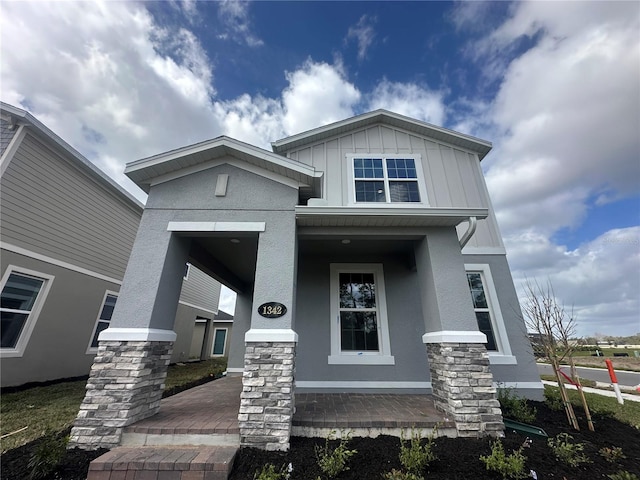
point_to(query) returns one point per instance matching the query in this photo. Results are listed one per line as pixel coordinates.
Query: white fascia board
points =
(454, 336)
(391, 210)
(137, 335)
(230, 227)
(271, 335)
(229, 144)
(482, 146)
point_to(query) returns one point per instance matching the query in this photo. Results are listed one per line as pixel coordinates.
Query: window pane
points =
(357, 290)
(101, 326)
(477, 290)
(370, 191)
(401, 168)
(484, 325)
(20, 292)
(218, 342)
(404, 192)
(368, 168)
(107, 309)
(359, 331)
(11, 325)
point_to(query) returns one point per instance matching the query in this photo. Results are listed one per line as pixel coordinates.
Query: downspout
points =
(473, 222)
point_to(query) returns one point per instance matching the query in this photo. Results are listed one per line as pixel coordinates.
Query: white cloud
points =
(235, 15)
(600, 279)
(409, 99)
(363, 33)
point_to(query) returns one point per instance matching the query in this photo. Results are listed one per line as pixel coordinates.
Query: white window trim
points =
(422, 186)
(93, 350)
(503, 355)
(30, 323)
(186, 273)
(224, 346)
(338, 357)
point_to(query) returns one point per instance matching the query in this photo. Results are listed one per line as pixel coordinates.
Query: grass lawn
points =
(54, 407)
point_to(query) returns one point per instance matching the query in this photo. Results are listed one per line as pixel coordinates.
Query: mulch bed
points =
(458, 459)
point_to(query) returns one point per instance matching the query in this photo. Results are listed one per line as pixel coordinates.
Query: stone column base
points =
(266, 402)
(463, 388)
(125, 385)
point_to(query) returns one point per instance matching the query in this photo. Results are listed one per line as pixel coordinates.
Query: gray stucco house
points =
(66, 233)
(366, 257)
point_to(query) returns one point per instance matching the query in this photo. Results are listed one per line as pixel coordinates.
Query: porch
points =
(196, 431)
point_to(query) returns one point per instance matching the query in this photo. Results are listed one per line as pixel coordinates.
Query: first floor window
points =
(104, 318)
(23, 293)
(219, 341)
(481, 307)
(359, 308)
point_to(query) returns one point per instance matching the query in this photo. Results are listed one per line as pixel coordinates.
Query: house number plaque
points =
(272, 310)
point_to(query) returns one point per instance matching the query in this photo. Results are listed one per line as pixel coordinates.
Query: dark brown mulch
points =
(458, 459)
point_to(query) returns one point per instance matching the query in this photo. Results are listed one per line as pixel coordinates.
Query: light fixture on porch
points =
(235, 240)
(345, 241)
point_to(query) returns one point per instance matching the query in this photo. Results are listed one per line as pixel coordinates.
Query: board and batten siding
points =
(200, 290)
(53, 208)
(453, 177)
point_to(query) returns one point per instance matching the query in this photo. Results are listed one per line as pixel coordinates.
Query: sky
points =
(555, 86)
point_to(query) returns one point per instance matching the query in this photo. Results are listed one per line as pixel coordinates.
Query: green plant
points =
(416, 456)
(552, 399)
(612, 454)
(509, 466)
(400, 475)
(515, 407)
(268, 472)
(566, 451)
(333, 461)
(623, 475)
(47, 455)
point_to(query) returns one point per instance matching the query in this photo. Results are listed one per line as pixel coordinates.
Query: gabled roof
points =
(21, 117)
(456, 139)
(143, 171)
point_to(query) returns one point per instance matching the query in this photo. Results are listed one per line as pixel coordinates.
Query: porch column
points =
(266, 402)
(127, 377)
(461, 381)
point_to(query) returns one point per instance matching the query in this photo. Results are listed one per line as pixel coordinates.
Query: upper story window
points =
(23, 293)
(387, 179)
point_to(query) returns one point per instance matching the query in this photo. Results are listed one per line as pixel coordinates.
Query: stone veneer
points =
(462, 387)
(266, 401)
(125, 385)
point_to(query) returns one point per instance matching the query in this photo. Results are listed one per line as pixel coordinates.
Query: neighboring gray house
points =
(366, 258)
(66, 232)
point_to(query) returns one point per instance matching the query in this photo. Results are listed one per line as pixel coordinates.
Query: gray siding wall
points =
(406, 324)
(453, 177)
(51, 207)
(58, 344)
(5, 136)
(201, 290)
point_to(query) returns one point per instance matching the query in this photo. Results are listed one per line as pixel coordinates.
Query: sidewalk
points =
(597, 391)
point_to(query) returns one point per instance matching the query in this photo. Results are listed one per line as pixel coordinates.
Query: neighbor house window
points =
(359, 327)
(219, 342)
(387, 179)
(23, 293)
(488, 314)
(104, 319)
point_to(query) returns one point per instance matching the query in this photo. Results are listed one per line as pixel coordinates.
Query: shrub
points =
(334, 461)
(623, 475)
(612, 454)
(552, 399)
(269, 472)
(567, 452)
(416, 456)
(400, 475)
(509, 466)
(49, 453)
(515, 407)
